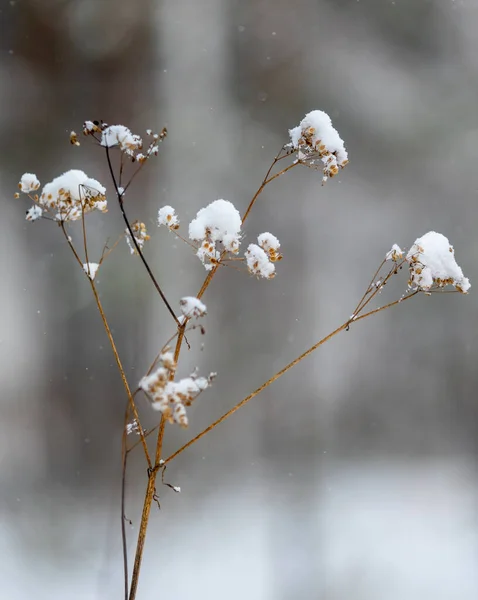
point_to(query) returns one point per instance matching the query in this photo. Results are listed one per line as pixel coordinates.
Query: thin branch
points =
(389, 305)
(121, 169)
(279, 374)
(124, 453)
(369, 288)
(148, 499)
(107, 251)
(135, 242)
(122, 372)
(265, 181)
(373, 290)
(112, 344)
(294, 164)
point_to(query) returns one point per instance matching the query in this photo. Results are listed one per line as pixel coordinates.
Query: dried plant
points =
(215, 235)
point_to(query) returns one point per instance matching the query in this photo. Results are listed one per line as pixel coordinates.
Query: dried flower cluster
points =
(172, 397)
(219, 222)
(270, 244)
(66, 198)
(140, 235)
(316, 140)
(395, 253)
(119, 136)
(29, 183)
(167, 216)
(261, 256)
(432, 264)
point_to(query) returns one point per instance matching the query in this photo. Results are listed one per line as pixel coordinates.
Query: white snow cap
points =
(119, 135)
(315, 138)
(258, 262)
(28, 183)
(267, 241)
(220, 221)
(432, 263)
(271, 245)
(70, 192)
(192, 307)
(395, 253)
(167, 216)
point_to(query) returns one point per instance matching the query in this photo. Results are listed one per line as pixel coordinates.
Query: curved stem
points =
(135, 242)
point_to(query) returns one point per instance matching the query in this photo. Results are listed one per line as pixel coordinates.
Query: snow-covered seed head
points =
(66, 198)
(395, 253)
(140, 235)
(261, 256)
(258, 262)
(219, 222)
(28, 183)
(74, 139)
(121, 136)
(172, 397)
(140, 157)
(158, 137)
(92, 127)
(432, 263)
(167, 216)
(316, 140)
(270, 244)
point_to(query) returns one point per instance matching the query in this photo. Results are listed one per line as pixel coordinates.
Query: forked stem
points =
(150, 489)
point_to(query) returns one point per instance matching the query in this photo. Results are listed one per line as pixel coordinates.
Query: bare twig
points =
(124, 453)
(279, 374)
(112, 344)
(135, 242)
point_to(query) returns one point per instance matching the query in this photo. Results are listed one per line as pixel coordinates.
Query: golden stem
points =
(148, 499)
(112, 344)
(279, 374)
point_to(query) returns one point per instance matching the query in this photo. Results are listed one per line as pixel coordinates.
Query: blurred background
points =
(356, 474)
